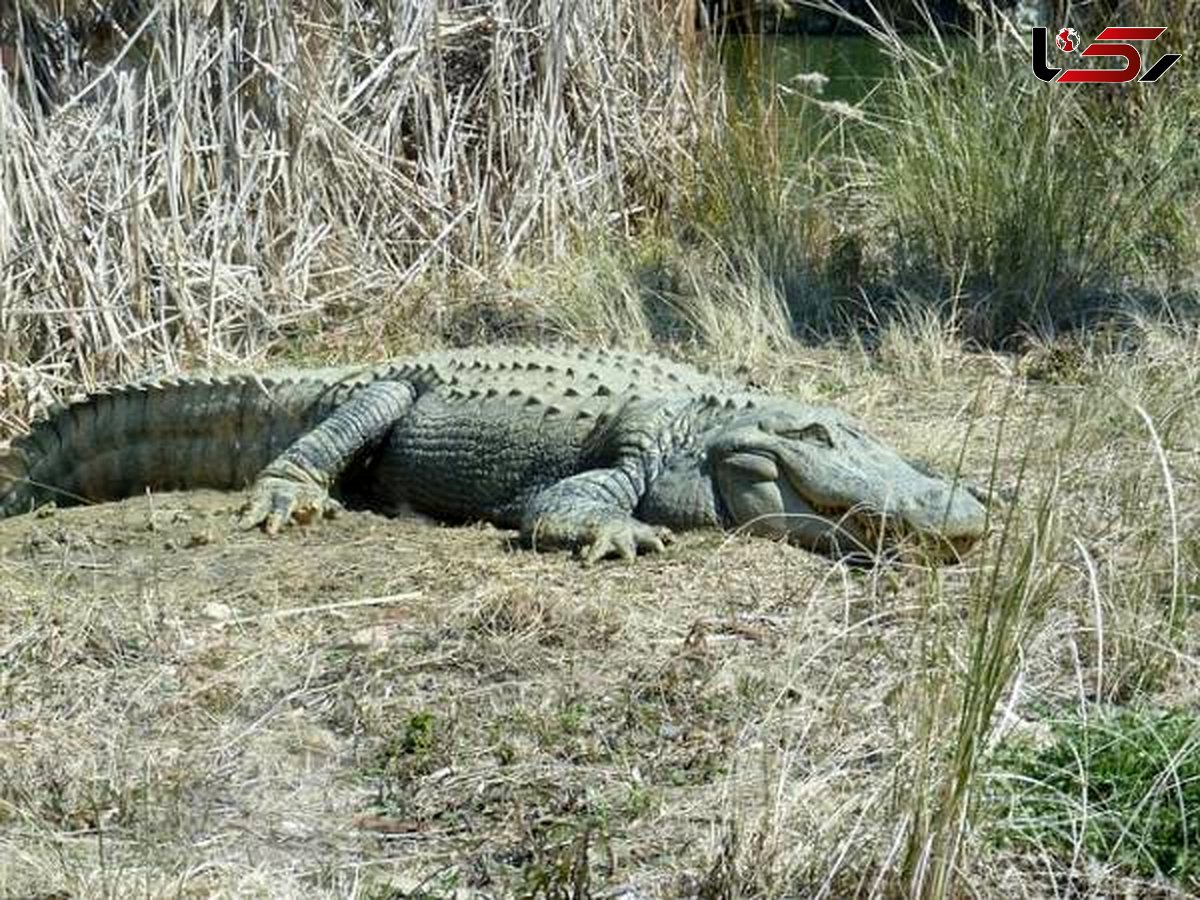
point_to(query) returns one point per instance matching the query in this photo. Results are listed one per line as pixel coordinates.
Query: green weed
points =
(1121, 785)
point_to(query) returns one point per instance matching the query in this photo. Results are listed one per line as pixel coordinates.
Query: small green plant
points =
(417, 747)
(1123, 786)
(418, 737)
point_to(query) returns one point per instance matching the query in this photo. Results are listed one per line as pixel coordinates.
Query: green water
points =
(811, 118)
(853, 65)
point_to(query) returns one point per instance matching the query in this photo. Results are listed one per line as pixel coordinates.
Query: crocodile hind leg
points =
(295, 485)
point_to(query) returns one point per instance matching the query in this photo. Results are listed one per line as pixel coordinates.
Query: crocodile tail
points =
(173, 434)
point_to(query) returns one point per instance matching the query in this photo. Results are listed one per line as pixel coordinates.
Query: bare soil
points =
(373, 698)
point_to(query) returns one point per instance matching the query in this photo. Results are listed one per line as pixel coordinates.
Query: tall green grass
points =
(966, 185)
(1033, 206)
(954, 715)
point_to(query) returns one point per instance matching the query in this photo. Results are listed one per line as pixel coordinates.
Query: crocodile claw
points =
(275, 502)
(624, 540)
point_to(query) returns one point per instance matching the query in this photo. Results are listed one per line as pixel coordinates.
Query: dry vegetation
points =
(240, 175)
(374, 707)
(387, 709)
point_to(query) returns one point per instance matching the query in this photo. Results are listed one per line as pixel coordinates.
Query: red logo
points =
(1109, 42)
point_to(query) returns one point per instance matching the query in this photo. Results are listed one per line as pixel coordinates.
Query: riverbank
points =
(481, 177)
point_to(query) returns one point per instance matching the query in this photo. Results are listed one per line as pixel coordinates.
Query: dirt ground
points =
(392, 708)
(374, 698)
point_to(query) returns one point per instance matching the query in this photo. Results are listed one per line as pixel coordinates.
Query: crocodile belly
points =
(470, 463)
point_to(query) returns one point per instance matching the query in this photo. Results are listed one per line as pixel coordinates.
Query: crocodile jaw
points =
(844, 493)
(778, 507)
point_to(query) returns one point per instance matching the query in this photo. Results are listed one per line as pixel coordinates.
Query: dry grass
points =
(239, 176)
(376, 705)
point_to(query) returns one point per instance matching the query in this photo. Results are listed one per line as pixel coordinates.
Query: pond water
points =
(853, 65)
(852, 69)
(855, 71)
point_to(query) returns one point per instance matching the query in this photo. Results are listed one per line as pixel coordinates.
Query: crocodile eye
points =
(816, 433)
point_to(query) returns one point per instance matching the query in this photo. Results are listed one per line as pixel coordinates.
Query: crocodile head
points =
(814, 477)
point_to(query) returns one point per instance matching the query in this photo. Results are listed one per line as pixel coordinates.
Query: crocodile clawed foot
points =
(277, 501)
(623, 540)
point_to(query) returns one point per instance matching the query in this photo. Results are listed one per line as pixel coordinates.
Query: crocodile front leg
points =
(592, 513)
(295, 486)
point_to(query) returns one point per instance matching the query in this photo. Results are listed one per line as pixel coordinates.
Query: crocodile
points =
(607, 453)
